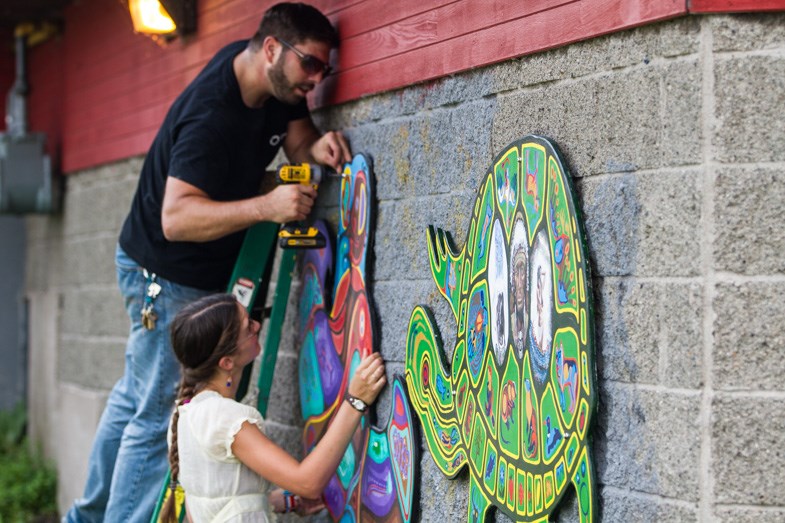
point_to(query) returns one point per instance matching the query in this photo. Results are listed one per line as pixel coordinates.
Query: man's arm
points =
(303, 143)
(189, 214)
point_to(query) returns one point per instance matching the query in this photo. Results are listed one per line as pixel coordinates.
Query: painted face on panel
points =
(541, 295)
(497, 281)
(519, 285)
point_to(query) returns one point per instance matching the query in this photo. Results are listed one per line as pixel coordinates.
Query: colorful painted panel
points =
(375, 479)
(515, 403)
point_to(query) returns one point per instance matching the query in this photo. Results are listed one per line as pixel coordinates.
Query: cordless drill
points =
(294, 235)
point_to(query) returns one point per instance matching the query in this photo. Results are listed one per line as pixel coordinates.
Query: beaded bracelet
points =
(290, 501)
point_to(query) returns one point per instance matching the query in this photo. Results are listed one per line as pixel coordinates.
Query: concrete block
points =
(640, 225)
(648, 441)
(746, 449)
(670, 223)
(42, 227)
(681, 118)
(749, 94)
(85, 260)
(635, 47)
(612, 215)
(400, 246)
(747, 32)
(679, 37)
(76, 419)
(749, 340)
(650, 332)
(96, 205)
(440, 499)
(748, 220)
(91, 363)
(749, 514)
(626, 506)
(450, 148)
(91, 311)
(604, 124)
(288, 438)
(284, 402)
(390, 146)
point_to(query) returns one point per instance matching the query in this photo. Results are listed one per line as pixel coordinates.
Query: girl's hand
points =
(309, 506)
(369, 378)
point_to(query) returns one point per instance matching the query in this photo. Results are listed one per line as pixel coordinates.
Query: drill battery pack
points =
(300, 237)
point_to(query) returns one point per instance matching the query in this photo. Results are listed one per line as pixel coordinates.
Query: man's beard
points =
(283, 90)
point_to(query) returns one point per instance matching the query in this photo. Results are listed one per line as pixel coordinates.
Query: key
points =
(148, 317)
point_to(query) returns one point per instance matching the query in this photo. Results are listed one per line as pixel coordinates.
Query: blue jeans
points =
(128, 461)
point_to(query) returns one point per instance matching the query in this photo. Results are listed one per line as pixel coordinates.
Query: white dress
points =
(218, 487)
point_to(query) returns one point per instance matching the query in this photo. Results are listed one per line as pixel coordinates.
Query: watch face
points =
(358, 404)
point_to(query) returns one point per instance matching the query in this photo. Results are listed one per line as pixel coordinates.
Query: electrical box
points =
(26, 178)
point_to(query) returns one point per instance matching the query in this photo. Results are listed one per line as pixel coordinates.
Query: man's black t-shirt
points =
(213, 141)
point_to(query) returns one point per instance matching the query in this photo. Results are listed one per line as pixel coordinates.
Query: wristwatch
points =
(357, 403)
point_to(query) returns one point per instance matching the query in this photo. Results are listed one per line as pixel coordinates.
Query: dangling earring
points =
(229, 381)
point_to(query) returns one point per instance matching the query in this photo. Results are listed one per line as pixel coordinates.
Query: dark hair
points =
(295, 23)
(202, 333)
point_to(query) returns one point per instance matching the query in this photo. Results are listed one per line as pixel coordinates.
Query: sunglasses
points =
(309, 63)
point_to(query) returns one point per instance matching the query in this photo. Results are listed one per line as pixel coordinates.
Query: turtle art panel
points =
(515, 404)
(375, 479)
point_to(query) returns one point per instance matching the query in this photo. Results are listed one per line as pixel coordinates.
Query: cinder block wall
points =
(675, 134)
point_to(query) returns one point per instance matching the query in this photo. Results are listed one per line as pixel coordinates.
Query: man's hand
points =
(287, 203)
(331, 149)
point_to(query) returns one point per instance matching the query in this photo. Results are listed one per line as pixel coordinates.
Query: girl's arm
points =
(309, 477)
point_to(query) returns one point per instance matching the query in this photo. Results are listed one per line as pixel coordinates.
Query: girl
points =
(218, 450)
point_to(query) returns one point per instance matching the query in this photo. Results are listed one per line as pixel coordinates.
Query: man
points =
(197, 193)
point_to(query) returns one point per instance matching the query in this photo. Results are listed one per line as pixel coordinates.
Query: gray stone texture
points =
(644, 224)
(748, 220)
(749, 338)
(747, 458)
(614, 121)
(649, 332)
(749, 91)
(89, 362)
(622, 505)
(284, 402)
(749, 514)
(648, 441)
(748, 32)
(441, 499)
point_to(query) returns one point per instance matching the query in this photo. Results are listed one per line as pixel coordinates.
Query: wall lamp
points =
(163, 18)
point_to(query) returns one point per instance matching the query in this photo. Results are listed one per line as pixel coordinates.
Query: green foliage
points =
(28, 484)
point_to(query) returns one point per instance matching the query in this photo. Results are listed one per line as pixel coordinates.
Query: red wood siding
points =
(414, 46)
(735, 6)
(105, 90)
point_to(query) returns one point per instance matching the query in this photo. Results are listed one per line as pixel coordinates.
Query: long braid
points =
(202, 333)
(186, 392)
